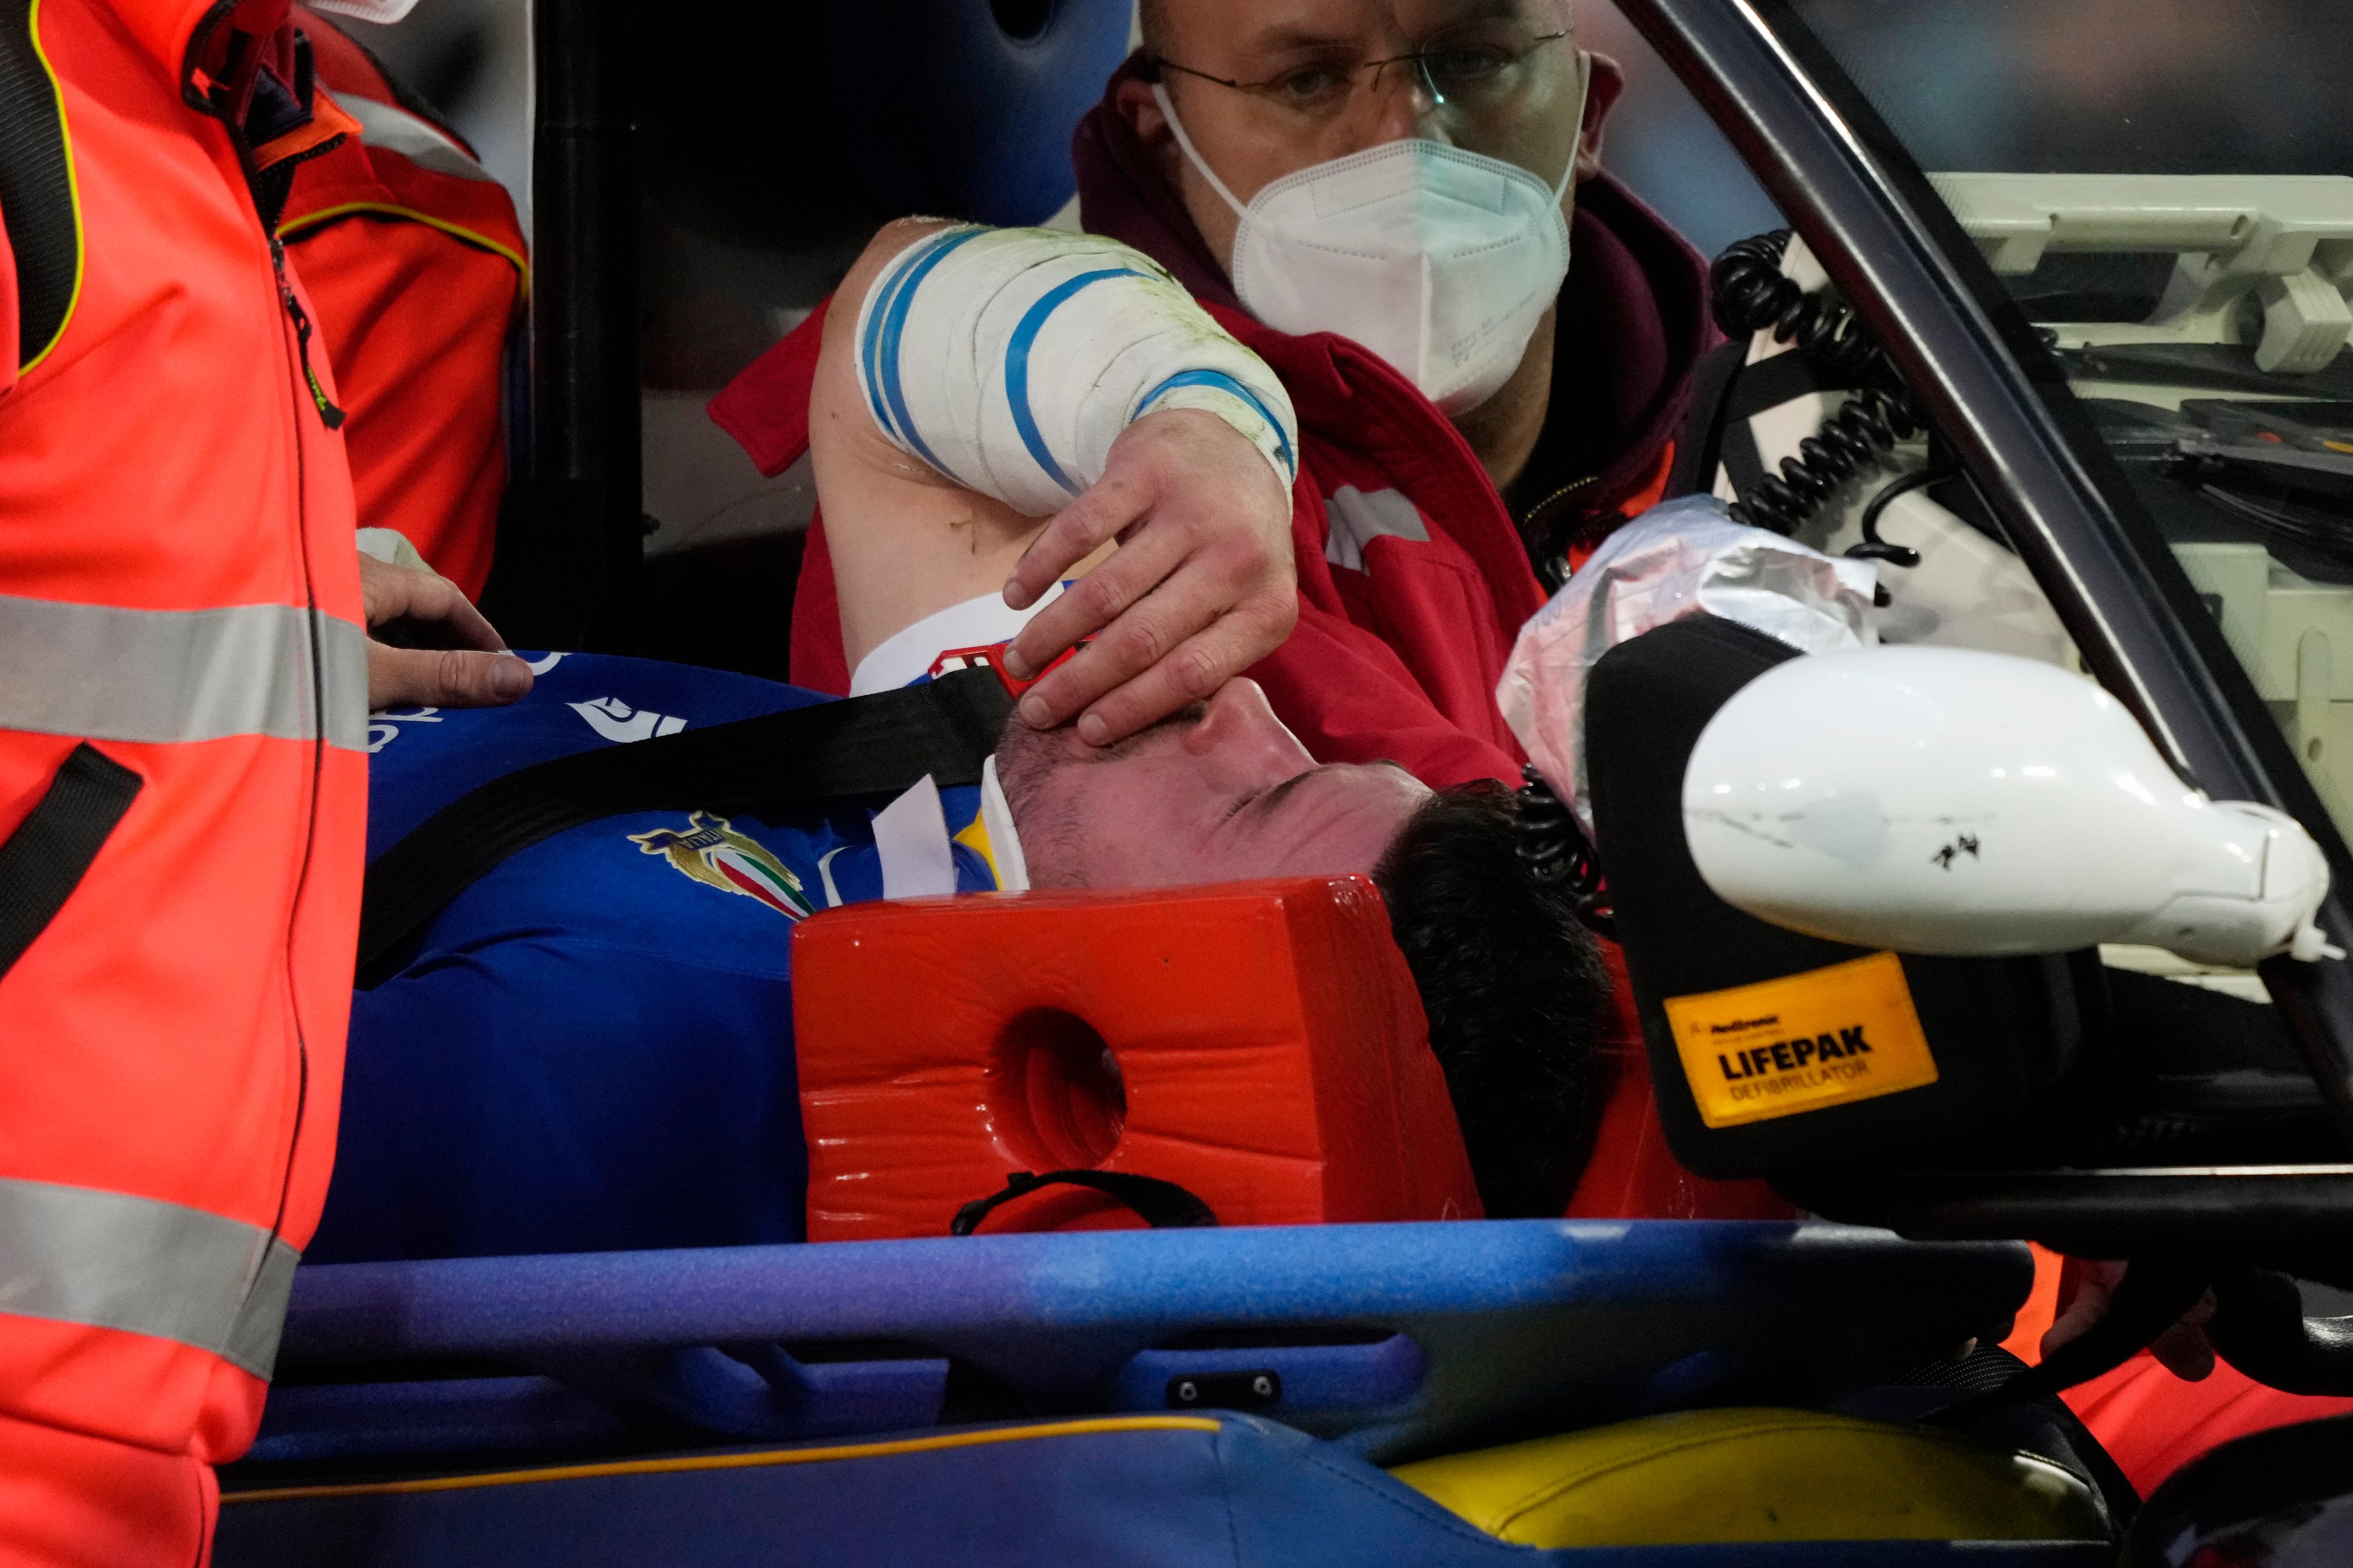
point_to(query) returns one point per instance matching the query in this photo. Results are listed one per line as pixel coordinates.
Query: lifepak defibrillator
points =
(1791, 1033)
(1839, 962)
(1876, 967)
(1773, 1051)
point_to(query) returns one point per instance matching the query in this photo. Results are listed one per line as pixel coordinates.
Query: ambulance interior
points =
(2189, 283)
(2181, 255)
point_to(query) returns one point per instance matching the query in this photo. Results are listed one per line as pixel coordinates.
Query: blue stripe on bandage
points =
(866, 352)
(1017, 366)
(883, 357)
(869, 345)
(1224, 383)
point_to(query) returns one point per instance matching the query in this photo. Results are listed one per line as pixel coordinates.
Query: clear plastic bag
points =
(1684, 558)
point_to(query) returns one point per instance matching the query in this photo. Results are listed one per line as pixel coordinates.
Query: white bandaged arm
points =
(1010, 359)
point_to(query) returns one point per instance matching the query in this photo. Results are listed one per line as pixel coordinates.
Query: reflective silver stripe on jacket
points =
(108, 1260)
(419, 140)
(102, 672)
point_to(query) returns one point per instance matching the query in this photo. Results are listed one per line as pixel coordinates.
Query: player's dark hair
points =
(1516, 991)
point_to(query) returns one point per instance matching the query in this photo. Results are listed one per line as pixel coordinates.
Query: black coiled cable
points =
(1752, 295)
(1867, 425)
(1554, 848)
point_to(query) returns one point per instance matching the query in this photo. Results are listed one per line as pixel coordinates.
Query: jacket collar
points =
(243, 62)
(169, 32)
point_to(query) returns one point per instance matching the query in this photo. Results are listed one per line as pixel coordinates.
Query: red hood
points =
(243, 62)
(1633, 313)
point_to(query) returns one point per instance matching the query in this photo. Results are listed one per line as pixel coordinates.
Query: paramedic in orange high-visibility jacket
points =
(415, 267)
(185, 681)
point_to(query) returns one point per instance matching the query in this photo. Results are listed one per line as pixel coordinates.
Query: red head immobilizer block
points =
(1260, 1044)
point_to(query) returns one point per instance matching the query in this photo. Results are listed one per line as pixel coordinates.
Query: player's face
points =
(1221, 793)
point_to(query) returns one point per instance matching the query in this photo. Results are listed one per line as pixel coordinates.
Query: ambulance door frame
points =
(571, 535)
(1896, 253)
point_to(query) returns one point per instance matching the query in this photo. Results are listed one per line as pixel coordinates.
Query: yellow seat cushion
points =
(1757, 1475)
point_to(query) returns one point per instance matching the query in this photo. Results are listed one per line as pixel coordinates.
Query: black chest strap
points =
(866, 745)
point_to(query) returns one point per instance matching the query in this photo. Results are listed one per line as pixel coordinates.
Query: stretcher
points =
(1395, 1341)
(1047, 1391)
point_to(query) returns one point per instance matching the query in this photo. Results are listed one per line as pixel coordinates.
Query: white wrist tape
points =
(1010, 360)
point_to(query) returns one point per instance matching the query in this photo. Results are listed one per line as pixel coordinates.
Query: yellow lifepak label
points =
(1829, 1037)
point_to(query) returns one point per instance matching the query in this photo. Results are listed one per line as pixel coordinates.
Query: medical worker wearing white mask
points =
(1423, 179)
(1389, 170)
(1396, 204)
(1442, 258)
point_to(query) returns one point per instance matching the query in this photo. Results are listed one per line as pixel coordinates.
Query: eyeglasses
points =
(1472, 69)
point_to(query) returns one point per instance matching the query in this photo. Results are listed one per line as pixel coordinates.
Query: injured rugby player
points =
(587, 1051)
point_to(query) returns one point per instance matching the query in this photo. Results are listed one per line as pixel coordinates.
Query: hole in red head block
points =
(1271, 1058)
(1058, 1101)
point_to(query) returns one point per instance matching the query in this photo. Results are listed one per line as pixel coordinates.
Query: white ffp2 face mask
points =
(1439, 260)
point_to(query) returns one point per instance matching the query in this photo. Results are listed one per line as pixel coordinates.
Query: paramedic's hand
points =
(428, 647)
(1201, 587)
(2181, 1349)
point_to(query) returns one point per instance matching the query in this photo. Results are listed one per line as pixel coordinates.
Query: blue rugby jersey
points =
(591, 1048)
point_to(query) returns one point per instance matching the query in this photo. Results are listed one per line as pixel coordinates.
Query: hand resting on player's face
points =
(1201, 587)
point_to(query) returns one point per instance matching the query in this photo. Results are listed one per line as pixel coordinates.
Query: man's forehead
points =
(1244, 26)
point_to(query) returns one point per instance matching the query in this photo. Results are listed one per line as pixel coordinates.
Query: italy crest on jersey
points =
(711, 852)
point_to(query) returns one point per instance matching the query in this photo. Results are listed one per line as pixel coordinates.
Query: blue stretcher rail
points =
(1390, 1340)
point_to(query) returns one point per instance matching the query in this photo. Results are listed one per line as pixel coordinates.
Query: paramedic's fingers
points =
(1178, 643)
(2096, 1286)
(1179, 470)
(1190, 673)
(1105, 511)
(2182, 1348)
(428, 646)
(421, 608)
(443, 678)
(1157, 600)
(1205, 536)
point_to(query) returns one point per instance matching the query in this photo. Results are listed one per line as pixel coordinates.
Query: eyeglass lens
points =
(1471, 67)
